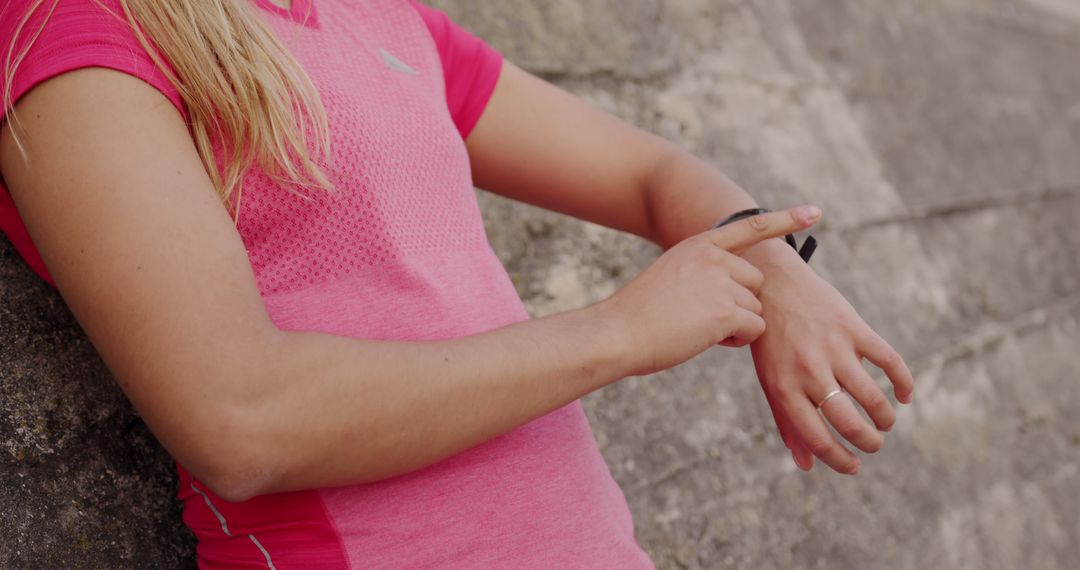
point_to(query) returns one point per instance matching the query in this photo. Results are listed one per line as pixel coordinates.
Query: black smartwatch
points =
(808, 246)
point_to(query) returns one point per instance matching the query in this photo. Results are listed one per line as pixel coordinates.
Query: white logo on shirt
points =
(395, 63)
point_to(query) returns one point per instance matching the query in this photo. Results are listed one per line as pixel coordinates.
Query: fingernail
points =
(798, 463)
(855, 470)
(808, 214)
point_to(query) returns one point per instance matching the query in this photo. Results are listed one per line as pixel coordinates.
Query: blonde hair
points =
(243, 91)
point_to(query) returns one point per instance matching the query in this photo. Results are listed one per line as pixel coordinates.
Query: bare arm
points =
(539, 144)
(117, 201)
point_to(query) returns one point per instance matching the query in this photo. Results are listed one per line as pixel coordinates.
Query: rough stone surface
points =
(83, 484)
(942, 138)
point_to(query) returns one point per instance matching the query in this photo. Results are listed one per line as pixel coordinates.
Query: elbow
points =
(236, 457)
(235, 471)
(232, 489)
(232, 451)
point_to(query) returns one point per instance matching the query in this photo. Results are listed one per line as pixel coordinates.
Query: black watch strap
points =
(808, 247)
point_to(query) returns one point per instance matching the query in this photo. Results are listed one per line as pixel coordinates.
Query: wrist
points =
(766, 254)
(772, 254)
(612, 339)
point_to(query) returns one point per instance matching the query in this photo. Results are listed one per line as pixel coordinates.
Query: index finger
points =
(739, 236)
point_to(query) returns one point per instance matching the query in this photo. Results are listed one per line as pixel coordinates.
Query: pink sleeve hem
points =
(471, 67)
(474, 107)
(47, 66)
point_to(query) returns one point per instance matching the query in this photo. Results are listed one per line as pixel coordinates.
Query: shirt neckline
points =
(300, 11)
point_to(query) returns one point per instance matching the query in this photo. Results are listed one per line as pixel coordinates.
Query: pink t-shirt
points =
(398, 251)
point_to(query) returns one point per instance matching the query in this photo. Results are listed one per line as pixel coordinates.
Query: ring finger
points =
(810, 426)
(840, 411)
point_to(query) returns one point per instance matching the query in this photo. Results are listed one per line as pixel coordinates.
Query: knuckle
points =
(715, 257)
(850, 429)
(788, 395)
(723, 271)
(884, 418)
(722, 312)
(892, 359)
(758, 223)
(725, 256)
(695, 247)
(803, 359)
(701, 242)
(872, 443)
(819, 445)
(877, 402)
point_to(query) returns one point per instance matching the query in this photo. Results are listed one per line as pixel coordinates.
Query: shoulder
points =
(53, 23)
(471, 67)
(46, 38)
(446, 33)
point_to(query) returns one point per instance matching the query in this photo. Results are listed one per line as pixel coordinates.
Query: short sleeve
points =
(72, 35)
(471, 67)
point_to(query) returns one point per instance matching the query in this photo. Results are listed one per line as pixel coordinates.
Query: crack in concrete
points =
(981, 203)
(661, 76)
(988, 334)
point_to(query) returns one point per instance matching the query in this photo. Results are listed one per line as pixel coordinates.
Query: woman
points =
(262, 215)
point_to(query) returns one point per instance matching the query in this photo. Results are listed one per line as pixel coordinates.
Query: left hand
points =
(813, 341)
(813, 344)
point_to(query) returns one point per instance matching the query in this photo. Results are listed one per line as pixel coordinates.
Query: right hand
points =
(699, 293)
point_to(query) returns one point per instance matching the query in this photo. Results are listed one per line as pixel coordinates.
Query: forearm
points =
(685, 196)
(538, 144)
(333, 410)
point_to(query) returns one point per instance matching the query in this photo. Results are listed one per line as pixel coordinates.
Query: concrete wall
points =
(943, 140)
